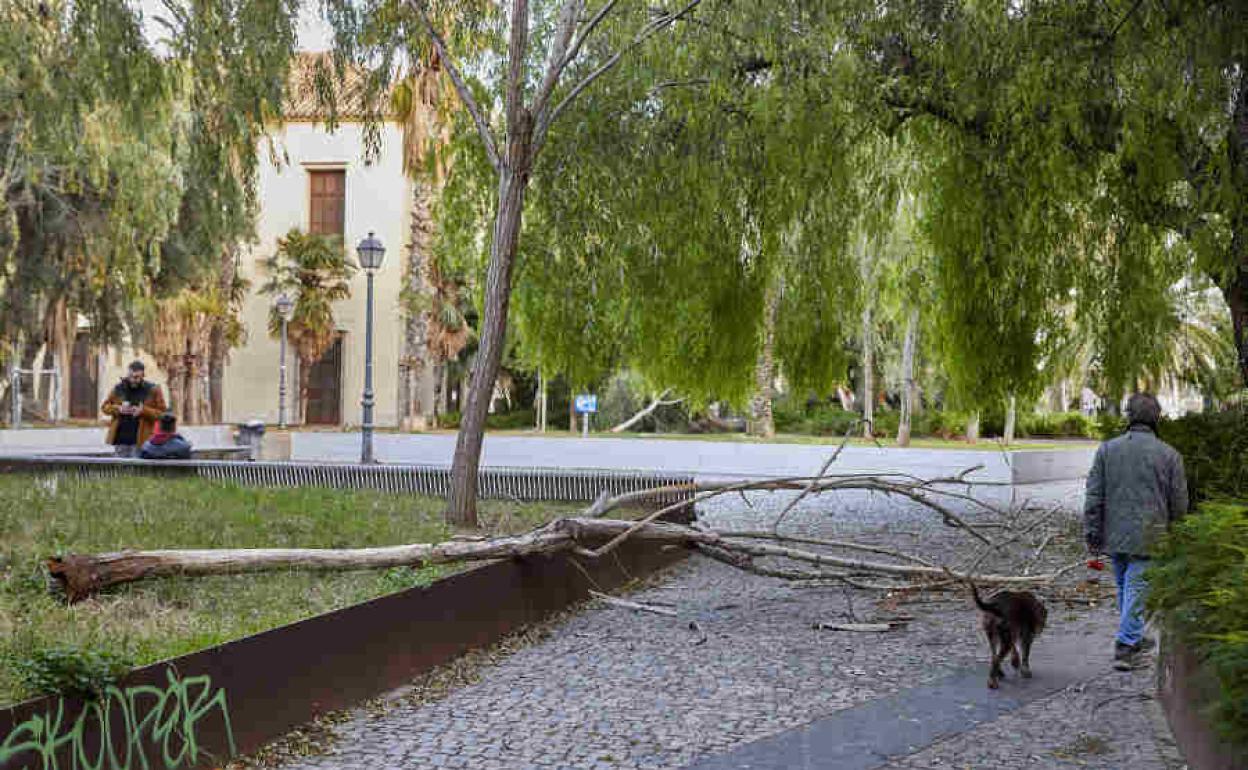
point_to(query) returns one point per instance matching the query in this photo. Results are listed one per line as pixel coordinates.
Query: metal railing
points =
(522, 484)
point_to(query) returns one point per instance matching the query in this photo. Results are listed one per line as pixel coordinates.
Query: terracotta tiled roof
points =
(302, 102)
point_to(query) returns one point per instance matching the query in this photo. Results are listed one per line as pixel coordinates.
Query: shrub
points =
(69, 670)
(1063, 424)
(517, 419)
(1214, 446)
(1199, 590)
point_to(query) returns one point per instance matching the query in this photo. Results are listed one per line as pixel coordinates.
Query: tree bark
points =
(1011, 418)
(218, 348)
(1235, 291)
(907, 378)
(513, 183)
(972, 427)
(84, 575)
(655, 403)
(416, 407)
(762, 419)
(868, 374)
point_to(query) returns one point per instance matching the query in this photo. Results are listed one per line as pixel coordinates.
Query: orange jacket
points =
(153, 407)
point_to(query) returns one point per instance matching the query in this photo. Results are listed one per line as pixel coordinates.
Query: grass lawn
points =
(151, 620)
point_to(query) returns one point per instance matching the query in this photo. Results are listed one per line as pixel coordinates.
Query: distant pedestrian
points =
(135, 405)
(166, 443)
(1136, 489)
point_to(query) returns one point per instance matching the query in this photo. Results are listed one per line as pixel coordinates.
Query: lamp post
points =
(285, 307)
(371, 253)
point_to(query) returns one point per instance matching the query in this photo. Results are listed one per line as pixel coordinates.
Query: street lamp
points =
(371, 253)
(285, 307)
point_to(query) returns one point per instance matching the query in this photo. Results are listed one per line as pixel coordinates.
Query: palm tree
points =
(314, 270)
(179, 333)
(421, 101)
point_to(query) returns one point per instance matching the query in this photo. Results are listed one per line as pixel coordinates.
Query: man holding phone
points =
(134, 404)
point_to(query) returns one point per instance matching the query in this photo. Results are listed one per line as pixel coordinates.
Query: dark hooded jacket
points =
(166, 446)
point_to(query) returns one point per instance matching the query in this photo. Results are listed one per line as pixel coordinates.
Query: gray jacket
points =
(1136, 489)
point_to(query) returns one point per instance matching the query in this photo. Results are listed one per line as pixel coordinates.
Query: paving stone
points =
(615, 688)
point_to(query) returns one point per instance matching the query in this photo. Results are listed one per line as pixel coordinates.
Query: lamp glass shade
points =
(371, 252)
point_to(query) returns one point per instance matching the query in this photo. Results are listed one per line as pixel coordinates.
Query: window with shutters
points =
(328, 202)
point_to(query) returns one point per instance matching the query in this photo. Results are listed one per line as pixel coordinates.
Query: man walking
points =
(1136, 489)
(134, 404)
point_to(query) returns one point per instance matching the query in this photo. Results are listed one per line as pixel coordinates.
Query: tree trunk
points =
(868, 374)
(1235, 291)
(846, 398)
(175, 396)
(416, 397)
(84, 575)
(218, 348)
(1011, 417)
(907, 379)
(305, 377)
(513, 183)
(972, 427)
(191, 390)
(655, 403)
(762, 420)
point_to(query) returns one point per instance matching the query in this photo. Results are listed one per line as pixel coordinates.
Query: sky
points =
(314, 34)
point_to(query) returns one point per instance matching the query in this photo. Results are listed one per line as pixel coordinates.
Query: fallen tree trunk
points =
(84, 575)
(655, 403)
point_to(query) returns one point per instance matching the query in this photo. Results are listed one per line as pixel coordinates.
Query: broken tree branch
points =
(655, 403)
(84, 575)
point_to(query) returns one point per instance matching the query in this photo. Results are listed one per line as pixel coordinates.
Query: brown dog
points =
(1012, 620)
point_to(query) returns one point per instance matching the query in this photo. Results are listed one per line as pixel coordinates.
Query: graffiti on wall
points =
(122, 729)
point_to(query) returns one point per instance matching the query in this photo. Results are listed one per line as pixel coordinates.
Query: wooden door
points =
(84, 395)
(325, 388)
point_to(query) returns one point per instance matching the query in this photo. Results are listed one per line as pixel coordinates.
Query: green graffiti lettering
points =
(151, 718)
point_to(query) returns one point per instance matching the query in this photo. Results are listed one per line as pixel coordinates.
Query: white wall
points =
(378, 198)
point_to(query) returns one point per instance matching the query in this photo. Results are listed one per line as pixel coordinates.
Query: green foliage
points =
(1214, 446)
(516, 419)
(69, 670)
(1063, 424)
(313, 271)
(1199, 588)
(129, 172)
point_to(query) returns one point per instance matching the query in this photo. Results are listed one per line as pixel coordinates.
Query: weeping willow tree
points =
(129, 174)
(87, 184)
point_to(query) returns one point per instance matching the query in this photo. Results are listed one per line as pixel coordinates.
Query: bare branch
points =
(564, 29)
(651, 28)
(822, 471)
(461, 87)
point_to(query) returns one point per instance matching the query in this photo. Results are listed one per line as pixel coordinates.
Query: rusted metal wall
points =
(1186, 691)
(196, 710)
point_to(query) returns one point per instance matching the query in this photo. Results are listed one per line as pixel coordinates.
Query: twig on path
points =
(626, 604)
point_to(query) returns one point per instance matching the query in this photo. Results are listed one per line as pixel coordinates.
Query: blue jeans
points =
(1129, 575)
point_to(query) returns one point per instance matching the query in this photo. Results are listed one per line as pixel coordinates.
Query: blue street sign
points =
(586, 404)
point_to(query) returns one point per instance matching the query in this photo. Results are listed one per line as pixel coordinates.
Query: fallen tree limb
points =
(647, 411)
(84, 575)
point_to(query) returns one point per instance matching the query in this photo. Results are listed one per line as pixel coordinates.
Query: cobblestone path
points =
(740, 679)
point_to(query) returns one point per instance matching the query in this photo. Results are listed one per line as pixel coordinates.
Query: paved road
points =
(703, 458)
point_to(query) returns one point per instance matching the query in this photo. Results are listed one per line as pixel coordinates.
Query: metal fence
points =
(522, 484)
